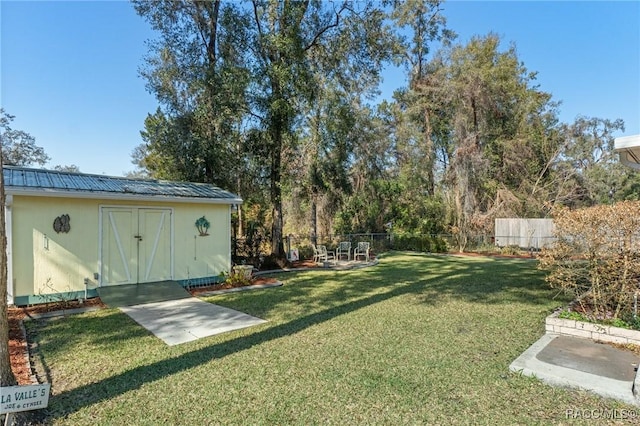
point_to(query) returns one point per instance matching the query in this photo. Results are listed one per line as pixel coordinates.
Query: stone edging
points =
(27, 353)
(597, 332)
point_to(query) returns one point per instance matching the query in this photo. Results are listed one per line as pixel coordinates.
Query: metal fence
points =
(253, 251)
(379, 242)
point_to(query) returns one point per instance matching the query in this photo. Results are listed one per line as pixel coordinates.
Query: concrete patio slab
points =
(184, 320)
(581, 363)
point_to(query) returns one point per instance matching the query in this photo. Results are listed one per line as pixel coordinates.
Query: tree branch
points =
(262, 51)
(320, 33)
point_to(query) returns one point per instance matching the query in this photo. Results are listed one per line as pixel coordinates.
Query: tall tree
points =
(10, 139)
(493, 128)
(294, 42)
(318, 169)
(346, 68)
(392, 165)
(424, 21)
(196, 71)
(6, 373)
(228, 73)
(279, 49)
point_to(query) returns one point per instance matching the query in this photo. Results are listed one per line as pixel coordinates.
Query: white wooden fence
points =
(524, 233)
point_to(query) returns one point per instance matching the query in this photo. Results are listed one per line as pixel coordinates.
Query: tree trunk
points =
(429, 149)
(476, 126)
(240, 231)
(6, 374)
(277, 246)
(314, 218)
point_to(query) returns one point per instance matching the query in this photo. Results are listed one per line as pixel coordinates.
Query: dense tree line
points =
(275, 100)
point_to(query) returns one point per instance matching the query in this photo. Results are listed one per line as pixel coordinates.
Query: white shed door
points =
(136, 245)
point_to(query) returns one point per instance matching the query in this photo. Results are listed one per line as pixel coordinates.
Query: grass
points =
(417, 339)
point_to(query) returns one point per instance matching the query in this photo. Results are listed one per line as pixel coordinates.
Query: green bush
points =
(572, 315)
(305, 252)
(235, 279)
(420, 243)
(439, 245)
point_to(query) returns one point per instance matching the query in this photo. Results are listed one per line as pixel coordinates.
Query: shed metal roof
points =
(22, 180)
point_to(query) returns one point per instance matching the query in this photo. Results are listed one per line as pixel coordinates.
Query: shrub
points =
(572, 315)
(596, 258)
(420, 243)
(439, 245)
(236, 279)
(510, 250)
(305, 252)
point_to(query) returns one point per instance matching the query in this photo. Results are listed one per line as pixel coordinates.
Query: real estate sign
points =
(24, 398)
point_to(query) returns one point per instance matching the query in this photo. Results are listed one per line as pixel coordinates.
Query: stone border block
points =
(587, 330)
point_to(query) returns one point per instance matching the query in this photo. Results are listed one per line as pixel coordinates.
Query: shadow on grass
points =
(109, 326)
(430, 278)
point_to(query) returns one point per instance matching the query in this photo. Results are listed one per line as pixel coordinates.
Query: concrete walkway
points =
(184, 320)
(582, 363)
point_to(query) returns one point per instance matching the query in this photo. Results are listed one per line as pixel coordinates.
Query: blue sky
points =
(69, 70)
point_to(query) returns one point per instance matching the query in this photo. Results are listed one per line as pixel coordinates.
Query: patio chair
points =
(344, 249)
(361, 250)
(327, 255)
(321, 254)
(317, 254)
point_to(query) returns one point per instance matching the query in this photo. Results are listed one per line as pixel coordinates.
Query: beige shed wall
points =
(197, 256)
(46, 262)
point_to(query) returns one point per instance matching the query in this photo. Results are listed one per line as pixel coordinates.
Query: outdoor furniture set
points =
(321, 254)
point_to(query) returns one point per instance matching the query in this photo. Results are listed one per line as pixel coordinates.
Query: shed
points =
(70, 233)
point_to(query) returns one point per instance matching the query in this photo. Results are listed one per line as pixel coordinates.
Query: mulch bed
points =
(224, 286)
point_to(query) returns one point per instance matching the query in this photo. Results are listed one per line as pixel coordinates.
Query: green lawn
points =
(416, 339)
